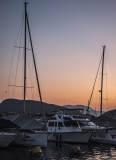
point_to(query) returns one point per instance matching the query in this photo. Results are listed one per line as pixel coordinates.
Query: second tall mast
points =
(102, 79)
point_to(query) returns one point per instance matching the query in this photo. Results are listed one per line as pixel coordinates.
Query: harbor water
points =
(61, 152)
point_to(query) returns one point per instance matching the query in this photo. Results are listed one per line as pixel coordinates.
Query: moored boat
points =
(6, 138)
(29, 133)
(31, 138)
(102, 136)
(66, 131)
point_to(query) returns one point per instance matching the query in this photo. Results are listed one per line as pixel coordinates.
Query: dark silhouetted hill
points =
(111, 114)
(14, 105)
(108, 118)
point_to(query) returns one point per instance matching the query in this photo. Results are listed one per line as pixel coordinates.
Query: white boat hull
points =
(6, 139)
(30, 139)
(72, 137)
(105, 139)
(112, 132)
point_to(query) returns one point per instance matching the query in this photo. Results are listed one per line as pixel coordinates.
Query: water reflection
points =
(90, 152)
(61, 152)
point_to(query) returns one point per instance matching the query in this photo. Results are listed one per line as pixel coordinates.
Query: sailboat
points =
(101, 134)
(30, 133)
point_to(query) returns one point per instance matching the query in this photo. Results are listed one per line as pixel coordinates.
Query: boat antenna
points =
(101, 91)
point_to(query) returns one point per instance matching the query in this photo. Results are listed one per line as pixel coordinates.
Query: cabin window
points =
(86, 123)
(55, 124)
(52, 118)
(91, 124)
(67, 123)
(59, 116)
(51, 124)
(82, 123)
(60, 124)
(67, 118)
(75, 116)
(71, 123)
(74, 123)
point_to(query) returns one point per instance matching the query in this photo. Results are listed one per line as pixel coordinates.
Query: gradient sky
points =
(68, 36)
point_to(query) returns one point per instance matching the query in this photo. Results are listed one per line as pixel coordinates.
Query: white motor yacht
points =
(66, 131)
(99, 134)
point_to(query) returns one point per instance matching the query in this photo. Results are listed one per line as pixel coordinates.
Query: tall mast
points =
(102, 78)
(35, 64)
(25, 34)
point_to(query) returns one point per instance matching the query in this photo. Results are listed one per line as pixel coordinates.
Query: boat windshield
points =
(71, 123)
(67, 118)
(51, 124)
(52, 118)
(55, 124)
(86, 123)
(60, 124)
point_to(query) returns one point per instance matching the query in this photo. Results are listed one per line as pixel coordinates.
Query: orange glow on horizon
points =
(65, 94)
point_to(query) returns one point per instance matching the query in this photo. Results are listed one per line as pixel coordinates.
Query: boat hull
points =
(104, 138)
(30, 139)
(104, 141)
(6, 139)
(75, 137)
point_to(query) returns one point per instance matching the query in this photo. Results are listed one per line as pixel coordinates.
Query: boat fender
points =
(36, 152)
(75, 151)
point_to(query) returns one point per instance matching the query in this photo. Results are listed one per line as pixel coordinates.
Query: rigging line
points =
(12, 59)
(97, 99)
(23, 48)
(30, 74)
(21, 94)
(112, 72)
(19, 86)
(94, 85)
(16, 73)
(10, 71)
(18, 60)
(33, 78)
(107, 93)
(20, 28)
(106, 84)
(4, 94)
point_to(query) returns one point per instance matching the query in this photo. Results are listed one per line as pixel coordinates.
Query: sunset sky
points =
(68, 38)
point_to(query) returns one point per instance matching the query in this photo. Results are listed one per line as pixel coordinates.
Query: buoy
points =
(75, 151)
(36, 152)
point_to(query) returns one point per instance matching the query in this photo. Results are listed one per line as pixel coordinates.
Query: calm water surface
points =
(61, 152)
